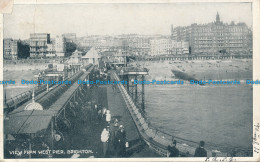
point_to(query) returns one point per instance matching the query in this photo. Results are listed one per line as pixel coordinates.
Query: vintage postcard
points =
(122, 80)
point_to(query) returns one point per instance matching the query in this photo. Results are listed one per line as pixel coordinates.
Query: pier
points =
(64, 118)
(193, 57)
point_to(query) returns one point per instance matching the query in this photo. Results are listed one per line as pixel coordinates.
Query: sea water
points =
(221, 115)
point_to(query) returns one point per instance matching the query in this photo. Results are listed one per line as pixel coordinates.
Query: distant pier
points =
(193, 57)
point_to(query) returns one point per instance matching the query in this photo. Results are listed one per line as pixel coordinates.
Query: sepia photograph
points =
(169, 80)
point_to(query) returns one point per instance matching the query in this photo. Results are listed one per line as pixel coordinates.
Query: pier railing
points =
(156, 139)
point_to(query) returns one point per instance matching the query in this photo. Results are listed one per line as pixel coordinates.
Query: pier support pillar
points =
(136, 97)
(143, 93)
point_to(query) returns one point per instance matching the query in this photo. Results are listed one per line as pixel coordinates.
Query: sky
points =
(115, 19)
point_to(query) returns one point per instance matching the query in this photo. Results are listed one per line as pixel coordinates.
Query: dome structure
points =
(33, 106)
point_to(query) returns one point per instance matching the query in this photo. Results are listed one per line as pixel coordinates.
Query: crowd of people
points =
(113, 138)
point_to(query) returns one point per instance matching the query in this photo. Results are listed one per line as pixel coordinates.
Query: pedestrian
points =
(172, 151)
(96, 107)
(95, 111)
(116, 90)
(200, 151)
(114, 130)
(88, 108)
(113, 87)
(99, 114)
(121, 141)
(92, 116)
(108, 117)
(104, 110)
(105, 140)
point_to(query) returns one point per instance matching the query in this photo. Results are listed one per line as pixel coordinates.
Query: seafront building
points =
(10, 49)
(39, 43)
(51, 52)
(209, 39)
(60, 46)
(137, 45)
(215, 37)
(168, 47)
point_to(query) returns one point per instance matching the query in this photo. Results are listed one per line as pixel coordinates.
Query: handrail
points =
(130, 105)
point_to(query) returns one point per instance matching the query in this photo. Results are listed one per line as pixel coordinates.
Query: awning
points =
(30, 121)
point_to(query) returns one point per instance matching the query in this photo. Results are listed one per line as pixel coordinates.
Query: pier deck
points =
(118, 110)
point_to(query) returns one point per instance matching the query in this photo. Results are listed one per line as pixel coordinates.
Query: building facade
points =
(137, 45)
(101, 43)
(140, 46)
(39, 43)
(51, 51)
(60, 46)
(10, 49)
(215, 38)
(168, 47)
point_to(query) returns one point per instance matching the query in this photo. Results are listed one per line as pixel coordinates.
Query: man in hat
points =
(200, 151)
(114, 131)
(105, 139)
(172, 151)
(121, 140)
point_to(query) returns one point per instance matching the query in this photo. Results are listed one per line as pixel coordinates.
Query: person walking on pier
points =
(114, 131)
(121, 141)
(95, 112)
(104, 110)
(113, 87)
(99, 113)
(105, 140)
(172, 151)
(108, 117)
(88, 108)
(200, 151)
